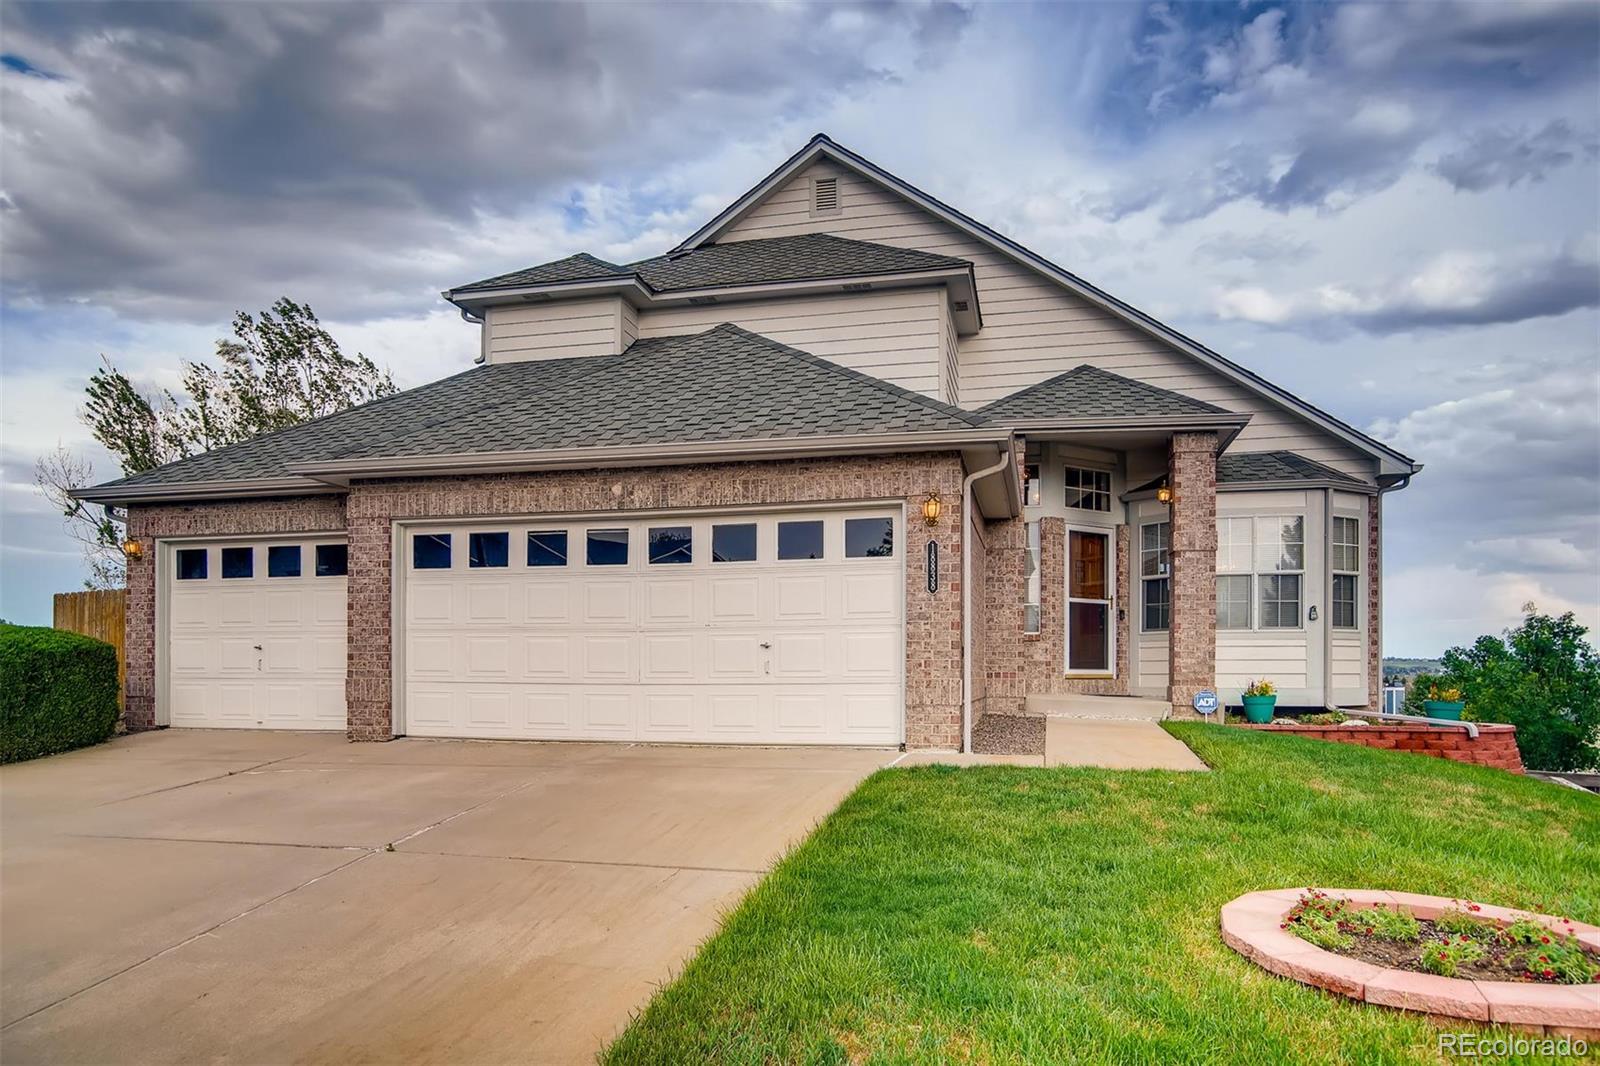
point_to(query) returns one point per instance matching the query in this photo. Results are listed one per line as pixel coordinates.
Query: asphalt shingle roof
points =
(804, 257)
(726, 384)
(1089, 392)
(1276, 466)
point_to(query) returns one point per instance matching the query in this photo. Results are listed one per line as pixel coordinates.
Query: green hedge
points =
(58, 691)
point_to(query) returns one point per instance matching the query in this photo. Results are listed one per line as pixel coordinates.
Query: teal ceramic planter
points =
(1258, 709)
(1448, 712)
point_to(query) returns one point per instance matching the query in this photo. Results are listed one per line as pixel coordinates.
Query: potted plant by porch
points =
(1260, 697)
(1445, 704)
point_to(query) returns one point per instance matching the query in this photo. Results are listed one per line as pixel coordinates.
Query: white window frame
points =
(1336, 571)
(1070, 481)
(1163, 572)
(1229, 568)
(1279, 571)
(1229, 565)
(1067, 600)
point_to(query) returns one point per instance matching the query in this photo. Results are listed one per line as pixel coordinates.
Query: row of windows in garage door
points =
(667, 545)
(283, 560)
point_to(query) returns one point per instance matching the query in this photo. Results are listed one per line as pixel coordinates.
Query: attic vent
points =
(702, 299)
(825, 195)
(959, 305)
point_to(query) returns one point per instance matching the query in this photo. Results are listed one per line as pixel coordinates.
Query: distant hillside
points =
(1409, 668)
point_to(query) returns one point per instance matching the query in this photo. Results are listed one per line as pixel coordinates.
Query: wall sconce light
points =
(932, 508)
(132, 549)
(1164, 494)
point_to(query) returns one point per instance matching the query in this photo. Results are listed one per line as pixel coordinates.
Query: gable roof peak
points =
(1392, 463)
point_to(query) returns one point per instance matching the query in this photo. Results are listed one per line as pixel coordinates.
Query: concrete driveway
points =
(272, 897)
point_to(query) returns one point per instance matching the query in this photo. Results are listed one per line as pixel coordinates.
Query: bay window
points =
(1269, 553)
(1346, 566)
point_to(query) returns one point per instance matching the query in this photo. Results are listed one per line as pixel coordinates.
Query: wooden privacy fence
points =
(102, 615)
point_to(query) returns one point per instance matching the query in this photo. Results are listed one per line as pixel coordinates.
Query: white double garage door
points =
(771, 627)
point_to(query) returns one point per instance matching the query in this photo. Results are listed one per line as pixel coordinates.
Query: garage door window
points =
(283, 560)
(238, 562)
(607, 547)
(488, 549)
(547, 547)
(671, 544)
(868, 538)
(733, 543)
(799, 540)
(191, 564)
(332, 560)
(430, 551)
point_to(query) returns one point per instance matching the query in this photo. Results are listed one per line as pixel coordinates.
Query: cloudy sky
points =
(1390, 209)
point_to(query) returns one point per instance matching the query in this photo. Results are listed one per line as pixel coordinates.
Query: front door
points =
(1090, 581)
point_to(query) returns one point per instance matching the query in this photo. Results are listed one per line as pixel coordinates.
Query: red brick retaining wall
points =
(1496, 745)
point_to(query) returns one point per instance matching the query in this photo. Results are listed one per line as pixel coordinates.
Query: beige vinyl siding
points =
(1032, 327)
(629, 323)
(1281, 658)
(1350, 667)
(894, 335)
(558, 329)
(949, 356)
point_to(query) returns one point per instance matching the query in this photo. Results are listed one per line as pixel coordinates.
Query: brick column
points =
(1192, 633)
(1374, 603)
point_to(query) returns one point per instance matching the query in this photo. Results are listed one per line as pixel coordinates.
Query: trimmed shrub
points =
(58, 691)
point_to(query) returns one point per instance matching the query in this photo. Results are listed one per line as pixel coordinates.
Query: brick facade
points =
(288, 514)
(1496, 745)
(1019, 664)
(933, 620)
(1374, 604)
(1192, 633)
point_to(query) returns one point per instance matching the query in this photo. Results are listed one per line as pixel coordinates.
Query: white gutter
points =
(966, 592)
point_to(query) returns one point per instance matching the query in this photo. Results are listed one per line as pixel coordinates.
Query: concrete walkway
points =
(274, 897)
(1106, 743)
(1114, 745)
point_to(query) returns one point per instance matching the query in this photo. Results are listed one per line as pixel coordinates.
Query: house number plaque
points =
(933, 566)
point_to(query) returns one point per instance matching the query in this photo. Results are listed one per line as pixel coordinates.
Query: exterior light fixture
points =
(1164, 494)
(932, 508)
(133, 549)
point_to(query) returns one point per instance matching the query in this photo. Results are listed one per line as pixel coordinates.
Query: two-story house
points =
(844, 467)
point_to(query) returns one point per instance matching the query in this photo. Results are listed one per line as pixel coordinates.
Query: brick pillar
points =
(1374, 604)
(1192, 633)
(139, 631)
(369, 696)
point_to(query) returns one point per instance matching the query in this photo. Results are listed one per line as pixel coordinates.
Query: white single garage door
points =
(255, 633)
(778, 628)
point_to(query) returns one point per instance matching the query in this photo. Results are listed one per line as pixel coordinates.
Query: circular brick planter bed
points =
(1253, 925)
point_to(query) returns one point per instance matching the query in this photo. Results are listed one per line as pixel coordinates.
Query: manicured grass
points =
(1014, 915)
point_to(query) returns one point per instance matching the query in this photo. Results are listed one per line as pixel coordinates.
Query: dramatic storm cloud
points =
(1387, 208)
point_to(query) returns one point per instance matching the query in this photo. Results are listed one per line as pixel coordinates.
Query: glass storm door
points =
(1089, 584)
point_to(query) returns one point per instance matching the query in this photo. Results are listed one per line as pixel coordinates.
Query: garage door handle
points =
(258, 647)
(764, 644)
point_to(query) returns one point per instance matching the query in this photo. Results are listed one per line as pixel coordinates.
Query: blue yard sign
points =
(1205, 701)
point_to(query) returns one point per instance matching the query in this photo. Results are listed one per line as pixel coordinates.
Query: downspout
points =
(483, 338)
(966, 592)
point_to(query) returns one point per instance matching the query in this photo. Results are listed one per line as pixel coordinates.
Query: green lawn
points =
(1016, 915)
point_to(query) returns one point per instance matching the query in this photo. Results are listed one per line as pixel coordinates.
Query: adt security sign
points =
(1205, 701)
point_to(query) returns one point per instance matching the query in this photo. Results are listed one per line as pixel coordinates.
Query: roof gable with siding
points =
(1034, 327)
